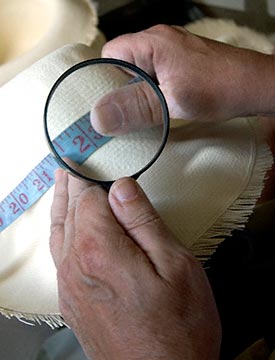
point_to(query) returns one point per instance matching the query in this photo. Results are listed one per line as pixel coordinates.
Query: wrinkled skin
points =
(126, 286)
(201, 79)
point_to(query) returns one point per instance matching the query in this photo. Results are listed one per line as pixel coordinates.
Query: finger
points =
(138, 217)
(130, 108)
(134, 48)
(75, 185)
(75, 188)
(58, 214)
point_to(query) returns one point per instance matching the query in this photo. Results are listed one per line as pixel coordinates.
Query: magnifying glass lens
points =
(109, 119)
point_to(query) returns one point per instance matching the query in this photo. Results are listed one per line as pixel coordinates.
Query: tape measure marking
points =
(77, 142)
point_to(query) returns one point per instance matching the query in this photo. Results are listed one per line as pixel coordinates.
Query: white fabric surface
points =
(205, 183)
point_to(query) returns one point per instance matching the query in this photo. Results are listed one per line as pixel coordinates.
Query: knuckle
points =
(91, 255)
(113, 47)
(166, 31)
(146, 218)
(55, 229)
(92, 262)
(98, 255)
(88, 197)
(57, 217)
(183, 264)
(180, 29)
(160, 28)
(147, 103)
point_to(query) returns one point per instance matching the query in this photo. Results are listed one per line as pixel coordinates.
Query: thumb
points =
(141, 222)
(127, 109)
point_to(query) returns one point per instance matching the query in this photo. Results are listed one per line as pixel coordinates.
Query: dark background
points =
(141, 14)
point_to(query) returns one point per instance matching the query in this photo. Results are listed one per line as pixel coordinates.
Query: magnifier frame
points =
(122, 64)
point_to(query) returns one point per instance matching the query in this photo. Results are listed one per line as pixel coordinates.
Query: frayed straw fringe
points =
(238, 213)
(235, 217)
(54, 321)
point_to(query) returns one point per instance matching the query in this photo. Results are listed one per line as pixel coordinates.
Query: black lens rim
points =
(143, 75)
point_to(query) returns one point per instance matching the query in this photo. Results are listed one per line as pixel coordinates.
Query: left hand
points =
(126, 286)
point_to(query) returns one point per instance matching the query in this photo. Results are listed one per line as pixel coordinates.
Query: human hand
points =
(126, 286)
(201, 79)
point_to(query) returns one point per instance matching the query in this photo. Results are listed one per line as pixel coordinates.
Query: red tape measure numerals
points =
(77, 142)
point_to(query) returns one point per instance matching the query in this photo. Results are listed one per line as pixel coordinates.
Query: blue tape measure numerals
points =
(77, 142)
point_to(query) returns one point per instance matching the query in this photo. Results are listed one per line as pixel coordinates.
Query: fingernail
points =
(59, 175)
(108, 117)
(125, 190)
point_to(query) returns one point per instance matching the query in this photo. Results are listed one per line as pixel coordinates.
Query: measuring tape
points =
(77, 142)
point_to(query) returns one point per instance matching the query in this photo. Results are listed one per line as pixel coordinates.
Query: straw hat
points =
(204, 185)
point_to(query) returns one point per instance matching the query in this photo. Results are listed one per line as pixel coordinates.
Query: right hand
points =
(201, 79)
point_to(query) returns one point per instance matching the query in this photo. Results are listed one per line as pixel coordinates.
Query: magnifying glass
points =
(105, 119)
